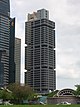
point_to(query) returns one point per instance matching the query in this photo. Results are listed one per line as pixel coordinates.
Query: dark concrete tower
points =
(40, 52)
(12, 51)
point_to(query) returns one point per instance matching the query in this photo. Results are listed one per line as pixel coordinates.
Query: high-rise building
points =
(40, 52)
(7, 38)
(12, 51)
(4, 41)
(17, 59)
(5, 8)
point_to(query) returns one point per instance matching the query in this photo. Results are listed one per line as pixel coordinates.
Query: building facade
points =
(12, 51)
(40, 52)
(4, 41)
(65, 96)
(17, 59)
(7, 38)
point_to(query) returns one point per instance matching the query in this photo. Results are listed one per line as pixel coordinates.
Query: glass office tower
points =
(4, 41)
(40, 52)
(5, 8)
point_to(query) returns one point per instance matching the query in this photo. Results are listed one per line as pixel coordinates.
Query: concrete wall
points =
(70, 99)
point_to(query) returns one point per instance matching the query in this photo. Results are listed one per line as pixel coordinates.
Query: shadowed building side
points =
(1, 68)
(12, 52)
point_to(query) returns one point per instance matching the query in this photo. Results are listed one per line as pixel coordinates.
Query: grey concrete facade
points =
(17, 59)
(69, 99)
(40, 52)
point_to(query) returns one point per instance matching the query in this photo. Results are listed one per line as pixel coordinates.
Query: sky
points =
(66, 15)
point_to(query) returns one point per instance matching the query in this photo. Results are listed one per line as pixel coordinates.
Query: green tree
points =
(21, 92)
(77, 92)
(1, 92)
(5, 95)
(54, 93)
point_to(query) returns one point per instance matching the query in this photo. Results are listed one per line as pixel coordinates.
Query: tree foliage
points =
(5, 95)
(21, 92)
(54, 93)
(77, 92)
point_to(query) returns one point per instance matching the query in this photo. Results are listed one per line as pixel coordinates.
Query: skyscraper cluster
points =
(39, 50)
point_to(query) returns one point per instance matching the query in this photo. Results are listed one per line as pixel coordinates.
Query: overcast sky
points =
(66, 14)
